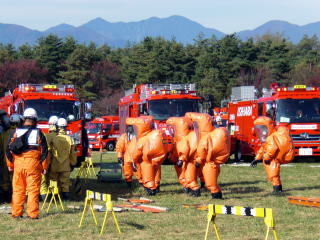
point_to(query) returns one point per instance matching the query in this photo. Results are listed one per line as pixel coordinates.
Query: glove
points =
(120, 160)
(197, 165)
(254, 163)
(179, 164)
(134, 167)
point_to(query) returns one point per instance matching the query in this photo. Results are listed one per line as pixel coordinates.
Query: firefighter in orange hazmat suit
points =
(27, 163)
(149, 152)
(125, 145)
(202, 125)
(213, 150)
(180, 127)
(276, 149)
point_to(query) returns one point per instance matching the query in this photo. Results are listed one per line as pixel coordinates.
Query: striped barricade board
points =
(305, 201)
(266, 213)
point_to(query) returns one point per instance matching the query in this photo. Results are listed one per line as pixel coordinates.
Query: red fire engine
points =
(296, 107)
(160, 101)
(49, 100)
(103, 132)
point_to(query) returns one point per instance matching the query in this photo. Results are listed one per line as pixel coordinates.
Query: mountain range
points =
(119, 34)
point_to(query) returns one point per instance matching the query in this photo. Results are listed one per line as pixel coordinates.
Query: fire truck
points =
(49, 100)
(103, 132)
(160, 101)
(296, 107)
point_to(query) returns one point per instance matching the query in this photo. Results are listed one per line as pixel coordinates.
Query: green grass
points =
(241, 186)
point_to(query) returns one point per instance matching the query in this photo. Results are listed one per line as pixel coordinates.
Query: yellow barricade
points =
(266, 213)
(90, 196)
(86, 169)
(54, 191)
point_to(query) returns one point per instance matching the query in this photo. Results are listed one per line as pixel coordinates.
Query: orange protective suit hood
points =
(142, 125)
(202, 120)
(265, 121)
(181, 126)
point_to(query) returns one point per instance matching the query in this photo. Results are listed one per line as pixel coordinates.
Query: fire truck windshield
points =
(93, 128)
(165, 108)
(61, 108)
(298, 110)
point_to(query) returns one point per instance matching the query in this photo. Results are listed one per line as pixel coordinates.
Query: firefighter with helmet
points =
(276, 149)
(63, 159)
(27, 161)
(53, 120)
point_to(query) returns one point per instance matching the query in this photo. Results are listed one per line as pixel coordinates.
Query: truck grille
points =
(306, 137)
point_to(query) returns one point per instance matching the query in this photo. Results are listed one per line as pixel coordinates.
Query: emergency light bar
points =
(157, 89)
(46, 88)
(297, 88)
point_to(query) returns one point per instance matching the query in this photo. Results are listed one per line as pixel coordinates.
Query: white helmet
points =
(71, 117)
(218, 119)
(53, 120)
(62, 122)
(30, 113)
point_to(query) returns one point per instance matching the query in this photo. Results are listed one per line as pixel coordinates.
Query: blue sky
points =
(227, 16)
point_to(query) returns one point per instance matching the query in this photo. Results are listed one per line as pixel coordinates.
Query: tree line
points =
(101, 73)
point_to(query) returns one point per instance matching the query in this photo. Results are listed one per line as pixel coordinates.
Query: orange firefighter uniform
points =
(149, 151)
(180, 127)
(213, 150)
(123, 148)
(27, 168)
(202, 125)
(276, 149)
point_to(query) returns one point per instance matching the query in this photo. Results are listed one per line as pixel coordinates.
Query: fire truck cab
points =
(49, 100)
(296, 107)
(160, 101)
(103, 132)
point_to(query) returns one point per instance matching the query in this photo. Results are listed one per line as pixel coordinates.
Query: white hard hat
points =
(62, 122)
(16, 118)
(218, 119)
(30, 113)
(53, 120)
(71, 117)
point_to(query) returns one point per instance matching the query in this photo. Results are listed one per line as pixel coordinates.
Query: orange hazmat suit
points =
(180, 126)
(123, 149)
(149, 151)
(28, 167)
(202, 125)
(276, 149)
(213, 150)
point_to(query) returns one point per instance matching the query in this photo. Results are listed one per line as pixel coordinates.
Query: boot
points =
(277, 189)
(42, 197)
(158, 189)
(186, 190)
(151, 192)
(203, 184)
(66, 196)
(129, 184)
(195, 193)
(217, 195)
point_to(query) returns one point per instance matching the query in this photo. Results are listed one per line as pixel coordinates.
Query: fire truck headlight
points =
(76, 137)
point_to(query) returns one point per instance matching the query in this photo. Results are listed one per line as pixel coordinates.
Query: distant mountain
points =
(292, 32)
(119, 34)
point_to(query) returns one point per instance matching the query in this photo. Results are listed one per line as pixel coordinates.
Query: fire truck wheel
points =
(110, 146)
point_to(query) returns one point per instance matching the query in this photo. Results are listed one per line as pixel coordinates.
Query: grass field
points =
(241, 186)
